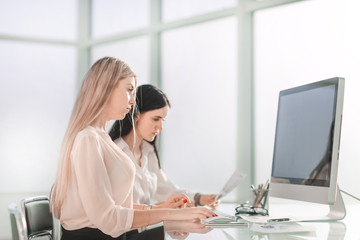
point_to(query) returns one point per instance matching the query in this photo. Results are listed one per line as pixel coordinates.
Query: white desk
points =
(347, 229)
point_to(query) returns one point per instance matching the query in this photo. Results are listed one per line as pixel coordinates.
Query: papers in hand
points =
(233, 181)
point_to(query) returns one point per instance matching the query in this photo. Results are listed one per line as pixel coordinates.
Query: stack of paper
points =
(222, 221)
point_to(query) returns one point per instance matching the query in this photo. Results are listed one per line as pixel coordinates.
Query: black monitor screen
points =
(304, 135)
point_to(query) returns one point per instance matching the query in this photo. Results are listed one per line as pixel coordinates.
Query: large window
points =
(39, 63)
(37, 92)
(56, 19)
(200, 53)
(199, 77)
(181, 9)
(112, 17)
(37, 89)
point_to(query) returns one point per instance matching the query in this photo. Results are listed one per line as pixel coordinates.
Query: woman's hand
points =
(175, 201)
(191, 213)
(149, 217)
(209, 200)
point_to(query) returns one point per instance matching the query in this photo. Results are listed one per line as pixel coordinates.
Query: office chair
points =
(38, 218)
(17, 222)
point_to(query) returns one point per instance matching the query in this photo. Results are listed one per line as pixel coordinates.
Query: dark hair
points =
(148, 97)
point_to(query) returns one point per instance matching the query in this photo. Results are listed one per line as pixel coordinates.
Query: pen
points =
(259, 195)
(266, 185)
(254, 190)
(278, 220)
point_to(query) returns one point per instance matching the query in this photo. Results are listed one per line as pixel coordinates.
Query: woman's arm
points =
(209, 200)
(140, 206)
(149, 217)
(175, 201)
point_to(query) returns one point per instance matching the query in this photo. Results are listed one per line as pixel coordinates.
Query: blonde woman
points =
(93, 190)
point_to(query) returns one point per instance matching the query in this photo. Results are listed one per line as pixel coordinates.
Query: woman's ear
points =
(137, 117)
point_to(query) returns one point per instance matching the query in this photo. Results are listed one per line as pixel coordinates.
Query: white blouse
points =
(101, 185)
(151, 183)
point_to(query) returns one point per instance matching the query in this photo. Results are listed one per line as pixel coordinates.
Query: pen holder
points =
(259, 198)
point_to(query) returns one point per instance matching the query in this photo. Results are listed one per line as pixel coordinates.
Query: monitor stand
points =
(337, 211)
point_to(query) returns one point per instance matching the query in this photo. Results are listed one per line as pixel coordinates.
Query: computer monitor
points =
(307, 143)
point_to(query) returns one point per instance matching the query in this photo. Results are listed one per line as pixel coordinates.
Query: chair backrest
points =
(17, 222)
(38, 217)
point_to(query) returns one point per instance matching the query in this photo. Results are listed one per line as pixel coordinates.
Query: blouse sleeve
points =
(95, 188)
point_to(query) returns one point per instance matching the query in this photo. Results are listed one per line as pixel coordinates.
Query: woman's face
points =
(150, 123)
(121, 99)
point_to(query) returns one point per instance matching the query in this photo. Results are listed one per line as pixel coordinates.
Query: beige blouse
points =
(101, 185)
(151, 183)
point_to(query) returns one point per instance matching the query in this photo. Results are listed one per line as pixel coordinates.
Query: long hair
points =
(148, 97)
(92, 99)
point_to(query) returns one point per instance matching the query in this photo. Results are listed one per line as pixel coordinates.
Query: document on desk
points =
(267, 219)
(233, 181)
(281, 228)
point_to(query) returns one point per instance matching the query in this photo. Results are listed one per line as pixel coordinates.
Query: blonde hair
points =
(92, 99)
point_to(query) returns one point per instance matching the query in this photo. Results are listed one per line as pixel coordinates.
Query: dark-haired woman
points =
(151, 182)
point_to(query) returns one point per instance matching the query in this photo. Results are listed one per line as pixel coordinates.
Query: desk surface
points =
(347, 229)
